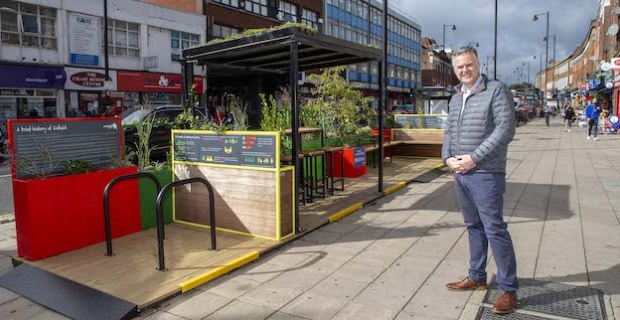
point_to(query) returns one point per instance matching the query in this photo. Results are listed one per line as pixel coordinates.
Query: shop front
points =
(85, 93)
(153, 88)
(30, 91)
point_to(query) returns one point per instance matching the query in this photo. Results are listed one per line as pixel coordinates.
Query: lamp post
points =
(495, 46)
(552, 70)
(106, 53)
(443, 42)
(546, 53)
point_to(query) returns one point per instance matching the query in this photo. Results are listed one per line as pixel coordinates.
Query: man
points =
(593, 111)
(481, 124)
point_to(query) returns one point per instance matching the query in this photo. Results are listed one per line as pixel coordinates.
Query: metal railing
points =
(160, 216)
(106, 204)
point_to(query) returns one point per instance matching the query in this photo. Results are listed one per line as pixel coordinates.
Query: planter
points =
(148, 198)
(387, 134)
(354, 162)
(64, 213)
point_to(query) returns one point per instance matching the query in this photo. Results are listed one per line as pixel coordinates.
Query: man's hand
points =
(452, 164)
(464, 163)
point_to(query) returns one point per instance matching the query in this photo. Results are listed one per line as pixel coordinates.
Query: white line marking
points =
(5, 176)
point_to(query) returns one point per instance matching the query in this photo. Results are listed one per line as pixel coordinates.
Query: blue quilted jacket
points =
(484, 128)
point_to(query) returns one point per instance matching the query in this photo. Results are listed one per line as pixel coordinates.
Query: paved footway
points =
(392, 260)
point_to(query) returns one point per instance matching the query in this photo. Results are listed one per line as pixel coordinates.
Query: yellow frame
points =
(276, 171)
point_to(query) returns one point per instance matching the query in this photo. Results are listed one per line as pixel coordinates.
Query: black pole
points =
(106, 204)
(294, 53)
(159, 207)
(384, 93)
(546, 62)
(495, 46)
(105, 35)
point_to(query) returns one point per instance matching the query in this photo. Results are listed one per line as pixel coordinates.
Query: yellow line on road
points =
(343, 213)
(199, 280)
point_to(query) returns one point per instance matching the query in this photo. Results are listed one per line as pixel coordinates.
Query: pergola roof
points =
(269, 53)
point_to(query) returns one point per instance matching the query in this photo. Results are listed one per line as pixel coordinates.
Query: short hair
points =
(464, 50)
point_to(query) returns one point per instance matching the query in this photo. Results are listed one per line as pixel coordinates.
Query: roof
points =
(269, 53)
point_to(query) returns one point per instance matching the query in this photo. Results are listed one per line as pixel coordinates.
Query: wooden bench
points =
(373, 149)
(418, 142)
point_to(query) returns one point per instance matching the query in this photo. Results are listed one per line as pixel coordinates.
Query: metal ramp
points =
(64, 296)
(548, 300)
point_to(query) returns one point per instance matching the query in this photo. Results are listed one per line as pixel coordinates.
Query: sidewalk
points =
(392, 260)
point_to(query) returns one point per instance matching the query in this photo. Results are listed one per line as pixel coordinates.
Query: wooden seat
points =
(329, 157)
(316, 180)
(421, 143)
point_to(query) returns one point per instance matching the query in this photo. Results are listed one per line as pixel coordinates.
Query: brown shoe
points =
(506, 302)
(467, 284)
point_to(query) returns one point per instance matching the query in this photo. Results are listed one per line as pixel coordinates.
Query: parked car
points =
(160, 139)
(403, 109)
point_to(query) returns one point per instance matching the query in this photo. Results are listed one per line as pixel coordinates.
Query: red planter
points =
(354, 163)
(387, 134)
(64, 213)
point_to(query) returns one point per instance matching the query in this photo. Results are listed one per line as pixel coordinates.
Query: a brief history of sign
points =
(248, 150)
(46, 146)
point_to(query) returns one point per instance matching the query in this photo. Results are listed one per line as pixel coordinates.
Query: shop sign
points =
(84, 42)
(152, 82)
(27, 76)
(359, 157)
(89, 79)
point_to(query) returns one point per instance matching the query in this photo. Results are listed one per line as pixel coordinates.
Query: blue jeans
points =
(481, 198)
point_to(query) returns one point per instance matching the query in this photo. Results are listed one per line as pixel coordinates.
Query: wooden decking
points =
(131, 274)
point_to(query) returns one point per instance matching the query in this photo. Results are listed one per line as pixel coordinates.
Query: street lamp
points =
(546, 53)
(553, 70)
(443, 43)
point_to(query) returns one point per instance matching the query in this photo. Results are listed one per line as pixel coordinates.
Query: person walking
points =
(569, 117)
(593, 111)
(481, 124)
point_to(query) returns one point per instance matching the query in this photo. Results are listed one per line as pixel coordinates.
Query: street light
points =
(546, 53)
(553, 70)
(443, 42)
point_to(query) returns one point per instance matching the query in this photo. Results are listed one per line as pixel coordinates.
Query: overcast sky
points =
(519, 38)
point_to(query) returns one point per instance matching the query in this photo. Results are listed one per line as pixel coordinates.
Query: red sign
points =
(89, 79)
(152, 82)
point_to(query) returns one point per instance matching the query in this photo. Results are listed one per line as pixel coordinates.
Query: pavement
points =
(392, 259)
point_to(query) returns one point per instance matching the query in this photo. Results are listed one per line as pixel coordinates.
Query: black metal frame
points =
(160, 216)
(106, 204)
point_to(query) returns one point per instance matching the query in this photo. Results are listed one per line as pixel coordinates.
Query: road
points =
(6, 190)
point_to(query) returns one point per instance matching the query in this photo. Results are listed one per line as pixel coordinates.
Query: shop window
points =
(287, 12)
(256, 6)
(310, 18)
(221, 31)
(182, 40)
(27, 25)
(24, 103)
(123, 39)
(232, 3)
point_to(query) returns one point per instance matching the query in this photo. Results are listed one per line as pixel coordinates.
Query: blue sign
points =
(359, 157)
(30, 76)
(593, 83)
(84, 59)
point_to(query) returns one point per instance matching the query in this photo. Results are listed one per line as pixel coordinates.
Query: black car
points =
(163, 116)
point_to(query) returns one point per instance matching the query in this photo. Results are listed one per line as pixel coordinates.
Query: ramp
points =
(64, 296)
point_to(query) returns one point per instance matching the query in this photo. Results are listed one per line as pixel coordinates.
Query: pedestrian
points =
(593, 111)
(569, 117)
(481, 124)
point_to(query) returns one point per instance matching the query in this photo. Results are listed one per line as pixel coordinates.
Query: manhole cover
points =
(487, 314)
(556, 299)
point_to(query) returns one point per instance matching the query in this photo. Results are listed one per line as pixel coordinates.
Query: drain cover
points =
(556, 299)
(487, 314)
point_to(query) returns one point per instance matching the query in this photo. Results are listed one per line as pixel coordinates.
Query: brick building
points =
(436, 66)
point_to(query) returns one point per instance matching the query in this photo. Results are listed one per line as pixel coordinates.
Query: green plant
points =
(41, 168)
(274, 118)
(249, 32)
(239, 115)
(343, 108)
(117, 162)
(78, 166)
(144, 127)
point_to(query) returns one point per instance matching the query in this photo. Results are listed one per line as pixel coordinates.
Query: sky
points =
(519, 38)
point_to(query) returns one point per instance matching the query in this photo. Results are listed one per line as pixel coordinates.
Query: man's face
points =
(467, 68)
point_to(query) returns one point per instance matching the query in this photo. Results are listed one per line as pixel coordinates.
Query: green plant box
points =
(148, 197)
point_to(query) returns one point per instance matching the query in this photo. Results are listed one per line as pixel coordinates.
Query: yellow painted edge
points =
(227, 133)
(278, 206)
(391, 189)
(226, 268)
(287, 236)
(227, 166)
(225, 230)
(343, 213)
(174, 194)
(288, 168)
(440, 166)
(278, 150)
(294, 193)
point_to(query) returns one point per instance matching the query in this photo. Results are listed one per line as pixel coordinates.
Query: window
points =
(220, 31)
(287, 12)
(310, 18)
(123, 39)
(256, 6)
(27, 25)
(182, 40)
(232, 3)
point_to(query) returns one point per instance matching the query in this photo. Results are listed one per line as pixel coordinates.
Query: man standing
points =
(480, 126)
(593, 111)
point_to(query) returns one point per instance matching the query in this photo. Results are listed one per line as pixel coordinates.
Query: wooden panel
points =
(418, 149)
(244, 199)
(418, 135)
(286, 203)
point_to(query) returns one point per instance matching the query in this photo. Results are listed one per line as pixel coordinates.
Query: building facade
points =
(52, 59)
(361, 21)
(437, 68)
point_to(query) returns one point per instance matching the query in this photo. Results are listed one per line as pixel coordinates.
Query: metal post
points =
(495, 46)
(553, 72)
(546, 62)
(106, 53)
(443, 41)
(294, 54)
(384, 92)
